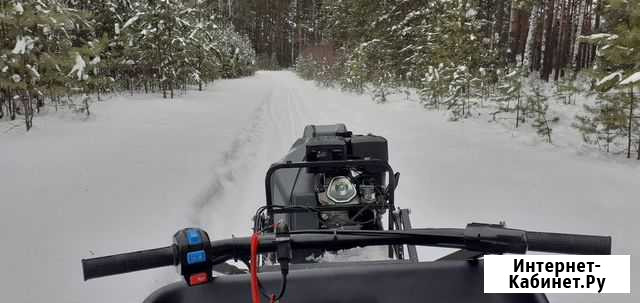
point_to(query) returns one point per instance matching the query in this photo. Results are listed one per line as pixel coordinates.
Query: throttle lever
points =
(495, 238)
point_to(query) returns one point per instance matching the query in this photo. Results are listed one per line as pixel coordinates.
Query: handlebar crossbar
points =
(485, 238)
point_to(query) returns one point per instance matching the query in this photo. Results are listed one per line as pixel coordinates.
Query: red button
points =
(198, 278)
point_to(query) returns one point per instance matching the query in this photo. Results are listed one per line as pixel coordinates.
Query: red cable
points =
(255, 290)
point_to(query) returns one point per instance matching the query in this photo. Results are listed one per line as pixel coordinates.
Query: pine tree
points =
(619, 51)
(542, 122)
(383, 86)
(60, 50)
(306, 67)
(434, 86)
(480, 85)
(510, 90)
(34, 45)
(459, 95)
(355, 71)
(566, 89)
(604, 121)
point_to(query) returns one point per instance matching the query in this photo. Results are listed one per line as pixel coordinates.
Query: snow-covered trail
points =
(142, 168)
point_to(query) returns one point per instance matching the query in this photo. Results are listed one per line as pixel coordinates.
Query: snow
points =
(631, 79)
(40, 9)
(34, 71)
(599, 36)
(471, 13)
(131, 21)
(95, 61)
(23, 45)
(18, 8)
(78, 67)
(141, 168)
(610, 77)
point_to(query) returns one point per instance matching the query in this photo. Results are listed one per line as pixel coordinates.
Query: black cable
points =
(284, 270)
(309, 209)
(260, 211)
(360, 212)
(368, 233)
(295, 182)
(283, 287)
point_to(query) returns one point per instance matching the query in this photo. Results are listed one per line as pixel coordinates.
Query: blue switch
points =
(198, 256)
(193, 237)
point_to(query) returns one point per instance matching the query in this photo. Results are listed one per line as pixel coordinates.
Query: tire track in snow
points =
(299, 115)
(232, 159)
(275, 124)
(304, 110)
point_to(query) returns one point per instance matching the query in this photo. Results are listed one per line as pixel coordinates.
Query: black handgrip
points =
(568, 243)
(128, 262)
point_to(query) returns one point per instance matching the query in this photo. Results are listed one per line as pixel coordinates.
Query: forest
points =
(509, 57)
(67, 53)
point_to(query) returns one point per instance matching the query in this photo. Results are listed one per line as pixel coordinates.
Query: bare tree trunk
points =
(531, 37)
(630, 123)
(564, 49)
(638, 151)
(513, 29)
(577, 44)
(12, 106)
(518, 112)
(164, 90)
(28, 111)
(85, 102)
(549, 38)
(3, 98)
(596, 28)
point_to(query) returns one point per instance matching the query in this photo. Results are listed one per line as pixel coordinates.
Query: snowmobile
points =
(332, 178)
(330, 193)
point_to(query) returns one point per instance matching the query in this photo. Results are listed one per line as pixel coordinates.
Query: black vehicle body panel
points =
(375, 281)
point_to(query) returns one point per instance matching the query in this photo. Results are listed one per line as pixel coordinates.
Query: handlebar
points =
(483, 238)
(129, 262)
(568, 243)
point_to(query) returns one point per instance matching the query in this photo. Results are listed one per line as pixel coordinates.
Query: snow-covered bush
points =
(50, 49)
(306, 67)
(37, 38)
(354, 76)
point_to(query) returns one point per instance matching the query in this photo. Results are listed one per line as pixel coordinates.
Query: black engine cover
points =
(371, 146)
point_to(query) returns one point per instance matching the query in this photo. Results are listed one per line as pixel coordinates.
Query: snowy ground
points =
(140, 168)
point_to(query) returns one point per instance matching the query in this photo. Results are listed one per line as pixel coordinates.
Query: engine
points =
(350, 197)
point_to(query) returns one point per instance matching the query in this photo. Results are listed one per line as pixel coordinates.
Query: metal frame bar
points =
(406, 225)
(337, 163)
(391, 187)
